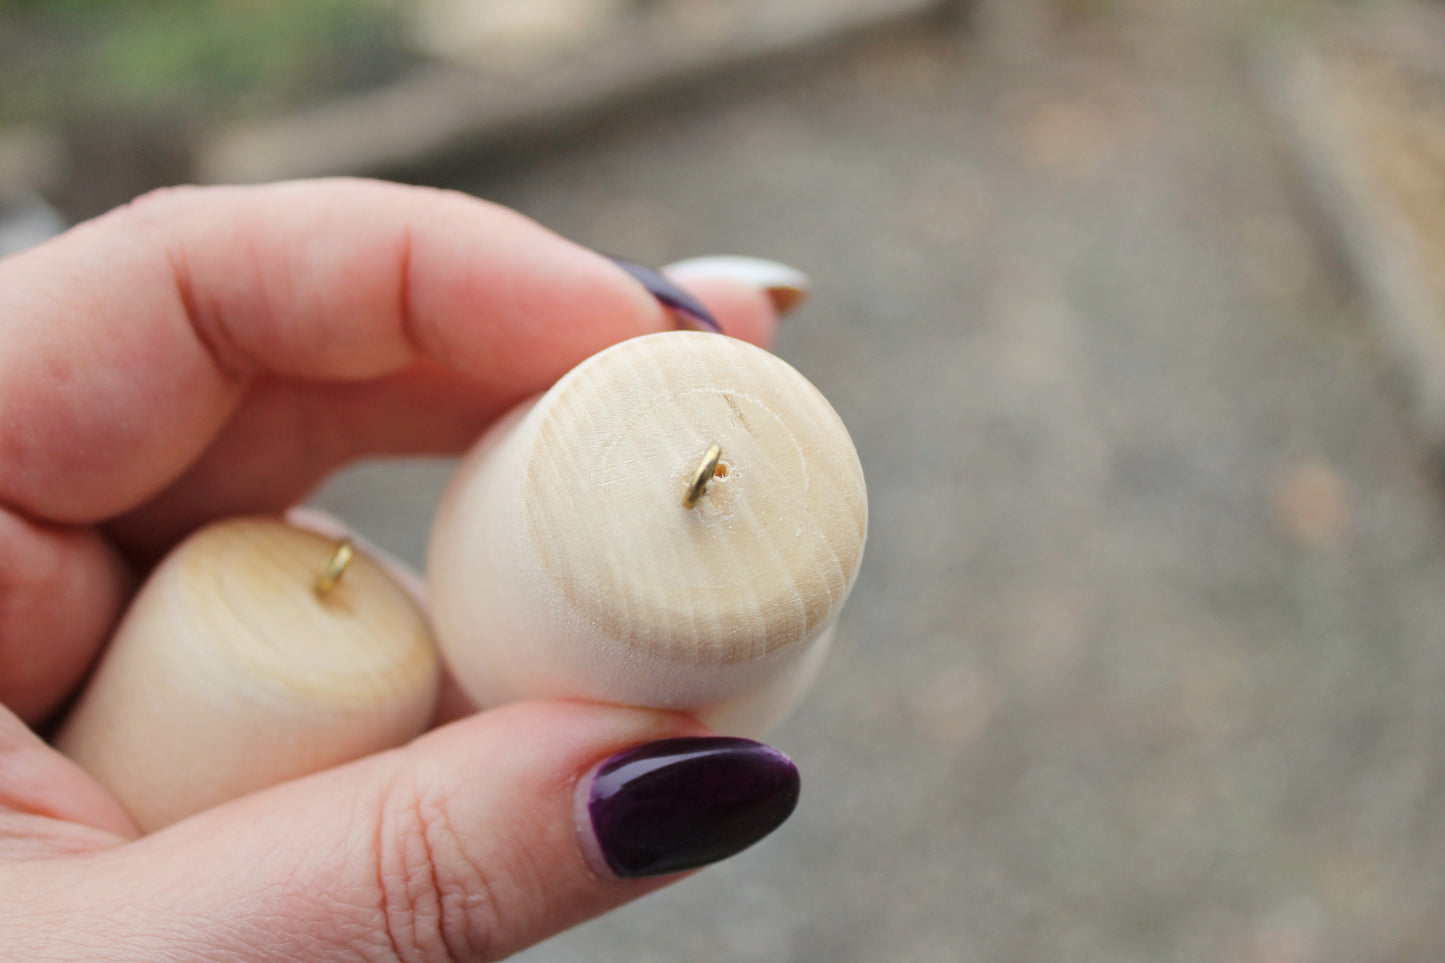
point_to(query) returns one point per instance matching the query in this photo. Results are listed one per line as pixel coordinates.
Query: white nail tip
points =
(761, 274)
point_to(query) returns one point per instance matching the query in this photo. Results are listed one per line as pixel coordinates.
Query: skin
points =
(205, 352)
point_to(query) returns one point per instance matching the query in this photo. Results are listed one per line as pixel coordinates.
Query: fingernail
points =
(787, 287)
(672, 296)
(678, 804)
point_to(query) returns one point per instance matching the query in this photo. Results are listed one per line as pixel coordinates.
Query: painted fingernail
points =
(672, 296)
(787, 287)
(678, 804)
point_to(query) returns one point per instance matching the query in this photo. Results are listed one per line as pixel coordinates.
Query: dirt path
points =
(1147, 656)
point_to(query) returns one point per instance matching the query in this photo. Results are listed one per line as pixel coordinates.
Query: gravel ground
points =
(1145, 658)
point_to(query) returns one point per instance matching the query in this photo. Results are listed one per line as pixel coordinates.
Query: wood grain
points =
(229, 673)
(564, 563)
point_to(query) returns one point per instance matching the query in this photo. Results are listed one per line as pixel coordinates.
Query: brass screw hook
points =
(705, 470)
(341, 557)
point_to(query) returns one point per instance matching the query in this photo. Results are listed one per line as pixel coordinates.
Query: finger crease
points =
(458, 933)
(442, 920)
(406, 315)
(383, 890)
(213, 335)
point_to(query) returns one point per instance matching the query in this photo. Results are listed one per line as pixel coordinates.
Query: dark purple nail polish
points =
(679, 804)
(668, 293)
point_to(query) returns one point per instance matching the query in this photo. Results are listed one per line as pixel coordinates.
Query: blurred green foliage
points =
(203, 57)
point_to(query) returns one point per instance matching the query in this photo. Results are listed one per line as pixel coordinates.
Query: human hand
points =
(210, 352)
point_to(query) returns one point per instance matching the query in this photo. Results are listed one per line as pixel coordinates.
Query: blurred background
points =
(1134, 310)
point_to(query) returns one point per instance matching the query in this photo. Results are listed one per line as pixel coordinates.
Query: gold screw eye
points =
(705, 470)
(341, 557)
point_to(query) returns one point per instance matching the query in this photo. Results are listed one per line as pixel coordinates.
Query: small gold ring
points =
(341, 557)
(705, 470)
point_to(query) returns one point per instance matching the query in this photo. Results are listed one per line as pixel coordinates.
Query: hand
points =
(208, 352)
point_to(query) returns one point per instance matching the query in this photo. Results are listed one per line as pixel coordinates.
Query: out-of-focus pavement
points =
(1147, 655)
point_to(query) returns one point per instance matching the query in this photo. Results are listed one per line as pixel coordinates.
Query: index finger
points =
(130, 341)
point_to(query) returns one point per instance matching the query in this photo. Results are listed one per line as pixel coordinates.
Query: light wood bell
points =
(255, 653)
(586, 548)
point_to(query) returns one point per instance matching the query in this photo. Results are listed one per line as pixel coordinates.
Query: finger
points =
(749, 313)
(290, 434)
(470, 844)
(731, 284)
(47, 804)
(132, 340)
(61, 590)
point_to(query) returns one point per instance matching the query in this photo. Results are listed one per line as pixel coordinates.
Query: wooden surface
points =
(564, 563)
(229, 673)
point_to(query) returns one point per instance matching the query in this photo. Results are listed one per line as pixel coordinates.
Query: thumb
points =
(471, 843)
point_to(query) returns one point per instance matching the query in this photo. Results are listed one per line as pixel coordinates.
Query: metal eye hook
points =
(341, 557)
(706, 469)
